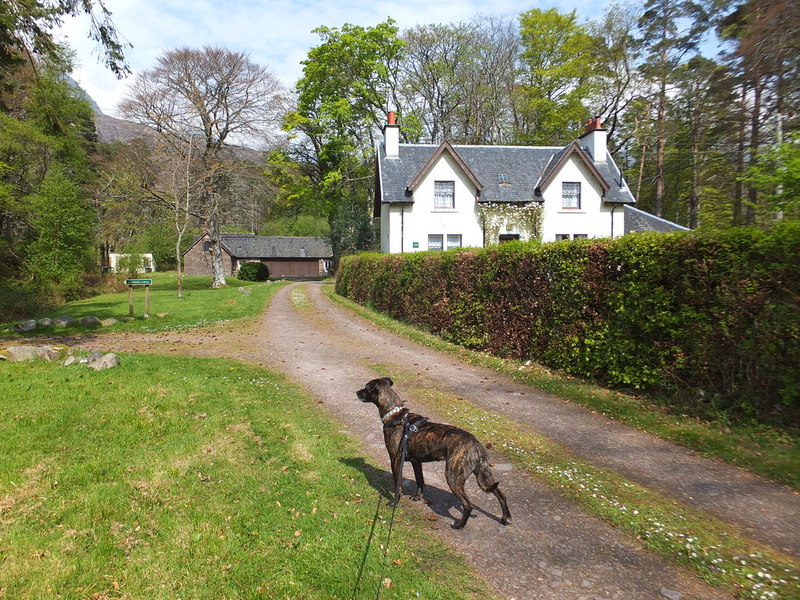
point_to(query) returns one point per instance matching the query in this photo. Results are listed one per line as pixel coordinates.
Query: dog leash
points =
(369, 543)
(408, 429)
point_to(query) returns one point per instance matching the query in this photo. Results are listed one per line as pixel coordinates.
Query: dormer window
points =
(571, 195)
(444, 195)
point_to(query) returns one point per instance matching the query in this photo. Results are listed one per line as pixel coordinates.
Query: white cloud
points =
(275, 33)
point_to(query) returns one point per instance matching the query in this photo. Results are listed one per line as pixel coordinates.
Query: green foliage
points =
(253, 271)
(555, 75)
(777, 175)
(62, 249)
(27, 28)
(301, 225)
(158, 239)
(526, 218)
(712, 317)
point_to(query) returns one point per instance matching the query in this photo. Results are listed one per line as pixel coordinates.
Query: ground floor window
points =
(435, 241)
(509, 237)
(574, 236)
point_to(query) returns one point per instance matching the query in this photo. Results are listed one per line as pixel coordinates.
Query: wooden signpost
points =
(131, 283)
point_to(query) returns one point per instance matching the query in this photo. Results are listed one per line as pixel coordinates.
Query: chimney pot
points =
(392, 120)
(593, 124)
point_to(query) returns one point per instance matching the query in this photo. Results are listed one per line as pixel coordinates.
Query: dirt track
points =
(552, 550)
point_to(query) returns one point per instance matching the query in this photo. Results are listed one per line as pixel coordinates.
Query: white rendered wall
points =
(420, 219)
(593, 219)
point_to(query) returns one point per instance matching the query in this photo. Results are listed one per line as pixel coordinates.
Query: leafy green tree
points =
(62, 249)
(555, 78)
(342, 99)
(777, 175)
(26, 29)
(457, 80)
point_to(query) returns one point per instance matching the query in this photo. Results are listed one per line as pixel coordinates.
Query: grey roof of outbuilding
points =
(522, 167)
(638, 220)
(248, 245)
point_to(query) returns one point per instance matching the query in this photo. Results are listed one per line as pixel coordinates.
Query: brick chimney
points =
(594, 139)
(391, 136)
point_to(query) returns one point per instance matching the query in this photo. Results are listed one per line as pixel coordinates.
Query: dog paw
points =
(505, 521)
(458, 525)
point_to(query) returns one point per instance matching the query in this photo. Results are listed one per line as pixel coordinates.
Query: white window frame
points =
(444, 195)
(437, 239)
(571, 195)
(453, 241)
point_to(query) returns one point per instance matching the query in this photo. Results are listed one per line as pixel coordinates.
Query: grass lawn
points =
(191, 478)
(200, 305)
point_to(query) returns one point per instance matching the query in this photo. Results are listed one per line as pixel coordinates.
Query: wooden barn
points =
(286, 257)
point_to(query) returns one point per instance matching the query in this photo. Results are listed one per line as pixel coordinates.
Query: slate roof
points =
(638, 220)
(249, 245)
(507, 173)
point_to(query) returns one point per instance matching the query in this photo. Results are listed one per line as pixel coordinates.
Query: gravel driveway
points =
(553, 549)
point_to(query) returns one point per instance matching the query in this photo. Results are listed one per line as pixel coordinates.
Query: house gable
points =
(559, 160)
(444, 147)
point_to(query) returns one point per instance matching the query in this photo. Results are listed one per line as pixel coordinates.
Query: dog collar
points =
(385, 418)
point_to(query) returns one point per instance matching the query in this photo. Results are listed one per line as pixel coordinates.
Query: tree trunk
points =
(217, 268)
(179, 265)
(738, 191)
(755, 127)
(661, 148)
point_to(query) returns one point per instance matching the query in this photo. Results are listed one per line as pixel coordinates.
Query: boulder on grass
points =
(90, 322)
(25, 353)
(107, 361)
(45, 322)
(63, 321)
(25, 326)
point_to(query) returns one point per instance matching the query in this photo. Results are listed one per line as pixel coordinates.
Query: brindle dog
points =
(462, 452)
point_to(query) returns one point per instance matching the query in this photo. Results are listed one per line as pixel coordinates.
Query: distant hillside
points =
(111, 129)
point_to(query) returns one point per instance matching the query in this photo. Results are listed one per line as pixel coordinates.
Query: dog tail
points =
(485, 477)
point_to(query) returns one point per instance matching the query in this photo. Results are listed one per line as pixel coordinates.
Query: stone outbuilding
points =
(286, 257)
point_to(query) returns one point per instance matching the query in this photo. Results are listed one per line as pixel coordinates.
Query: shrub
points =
(712, 317)
(253, 271)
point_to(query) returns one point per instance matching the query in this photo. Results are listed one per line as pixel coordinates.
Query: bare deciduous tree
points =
(213, 101)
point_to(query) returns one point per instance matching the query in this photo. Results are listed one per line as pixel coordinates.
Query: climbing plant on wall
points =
(524, 218)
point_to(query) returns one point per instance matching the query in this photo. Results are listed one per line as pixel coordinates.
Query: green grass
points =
(199, 306)
(191, 478)
(764, 450)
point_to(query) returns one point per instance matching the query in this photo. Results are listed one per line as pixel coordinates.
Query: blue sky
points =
(275, 33)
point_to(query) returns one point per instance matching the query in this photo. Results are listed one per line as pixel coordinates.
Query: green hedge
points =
(253, 271)
(714, 317)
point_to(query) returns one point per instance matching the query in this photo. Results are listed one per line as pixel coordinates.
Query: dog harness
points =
(408, 430)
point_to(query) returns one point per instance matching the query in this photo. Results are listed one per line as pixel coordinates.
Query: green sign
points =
(138, 282)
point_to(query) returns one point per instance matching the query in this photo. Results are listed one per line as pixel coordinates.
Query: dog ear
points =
(389, 381)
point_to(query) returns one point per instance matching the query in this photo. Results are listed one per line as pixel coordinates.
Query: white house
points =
(143, 263)
(432, 197)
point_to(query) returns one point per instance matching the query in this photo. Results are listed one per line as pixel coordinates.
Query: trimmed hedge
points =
(713, 316)
(253, 271)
